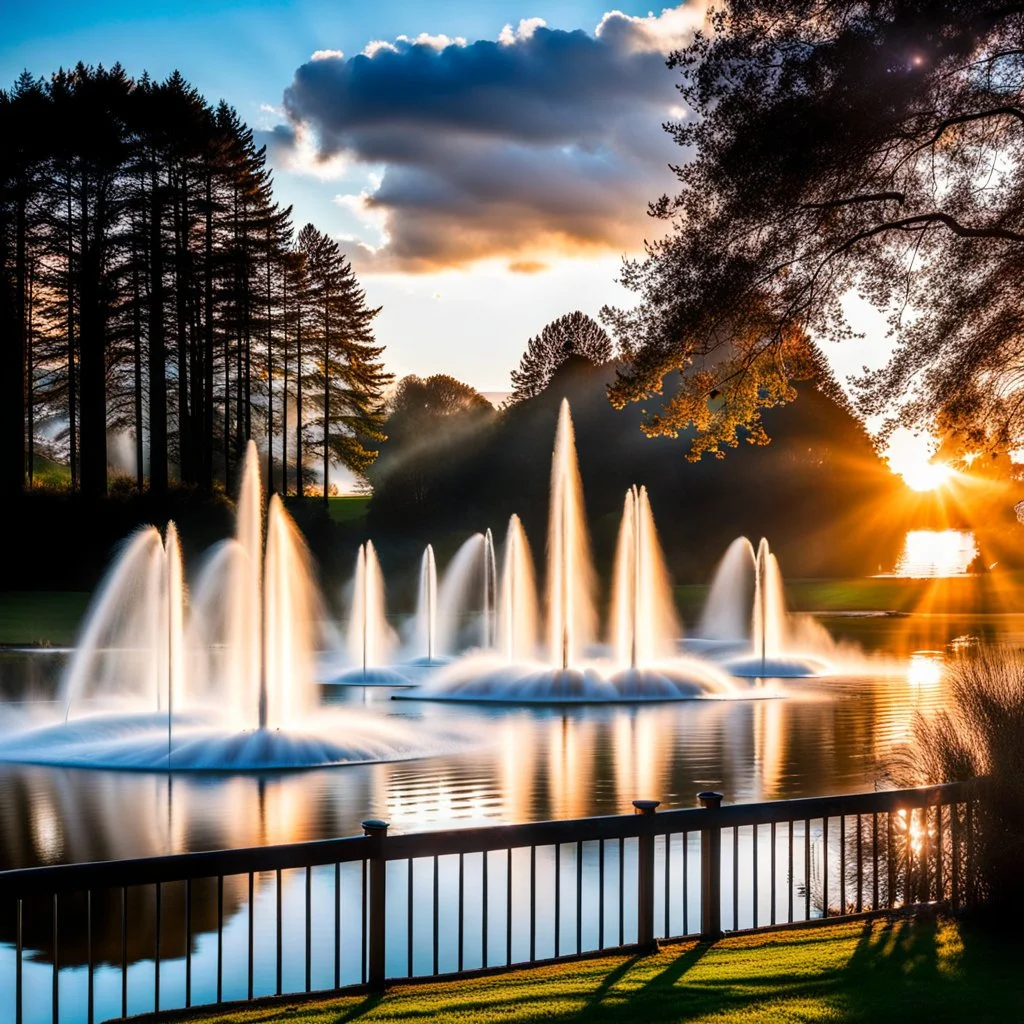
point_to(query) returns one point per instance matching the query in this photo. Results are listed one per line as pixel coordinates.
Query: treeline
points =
(151, 287)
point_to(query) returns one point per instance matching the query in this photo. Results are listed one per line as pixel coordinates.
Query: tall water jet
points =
(570, 573)
(249, 534)
(644, 623)
(490, 591)
(426, 606)
(122, 647)
(769, 615)
(291, 609)
(726, 616)
(517, 600)
(369, 636)
(175, 644)
(458, 594)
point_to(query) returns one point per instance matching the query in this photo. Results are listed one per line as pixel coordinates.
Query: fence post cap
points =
(646, 806)
(375, 827)
(710, 799)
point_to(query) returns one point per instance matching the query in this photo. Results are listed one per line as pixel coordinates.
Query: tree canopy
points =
(574, 334)
(834, 149)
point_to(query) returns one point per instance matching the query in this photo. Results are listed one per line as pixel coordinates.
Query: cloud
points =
(541, 142)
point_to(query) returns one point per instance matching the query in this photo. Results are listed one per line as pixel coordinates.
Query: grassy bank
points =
(883, 971)
(48, 617)
(989, 593)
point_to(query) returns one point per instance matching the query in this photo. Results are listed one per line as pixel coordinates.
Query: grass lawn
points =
(902, 971)
(41, 616)
(349, 508)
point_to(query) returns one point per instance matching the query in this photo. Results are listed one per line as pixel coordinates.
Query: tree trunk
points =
(298, 409)
(157, 355)
(327, 390)
(12, 374)
(72, 368)
(206, 474)
(186, 470)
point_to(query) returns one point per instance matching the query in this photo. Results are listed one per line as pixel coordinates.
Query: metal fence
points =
(121, 937)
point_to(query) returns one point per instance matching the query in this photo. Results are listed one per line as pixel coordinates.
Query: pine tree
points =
(574, 334)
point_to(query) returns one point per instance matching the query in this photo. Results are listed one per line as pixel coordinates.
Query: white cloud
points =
(526, 28)
(327, 55)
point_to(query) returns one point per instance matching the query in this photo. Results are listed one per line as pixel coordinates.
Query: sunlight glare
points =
(910, 454)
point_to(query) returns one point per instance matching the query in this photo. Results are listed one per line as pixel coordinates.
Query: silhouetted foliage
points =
(819, 491)
(574, 334)
(150, 286)
(833, 148)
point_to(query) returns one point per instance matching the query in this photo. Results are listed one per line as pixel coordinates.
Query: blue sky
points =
(486, 164)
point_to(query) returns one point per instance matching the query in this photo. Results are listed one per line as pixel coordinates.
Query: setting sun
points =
(910, 456)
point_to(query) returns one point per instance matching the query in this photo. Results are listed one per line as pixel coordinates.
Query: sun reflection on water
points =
(925, 668)
(930, 553)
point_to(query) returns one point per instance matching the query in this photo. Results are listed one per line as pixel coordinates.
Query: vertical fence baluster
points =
(686, 885)
(156, 950)
(860, 865)
(909, 880)
(842, 864)
(279, 951)
(251, 936)
(579, 897)
(377, 831)
(337, 920)
(508, 906)
(600, 897)
(940, 881)
(954, 840)
(754, 840)
(19, 947)
(124, 951)
(875, 903)
(483, 910)
(461, 905)
(188, 942)
(409, 921)
(363, 896)
(220, 938)
(771, 890)
(622, 891)
(735, 878)
(55, 1006)
(792, 881)
(807, 869)
(533, 902)
(970, 875)
(90, 1012)
(309, 928)
(645, 877)
(824, 866)
(558, 897)
(890, 851)
(711, 870)
(668, 884)
(436, 912)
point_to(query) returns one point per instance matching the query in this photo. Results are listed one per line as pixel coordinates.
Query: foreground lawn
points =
(41, 616)
(901, 971)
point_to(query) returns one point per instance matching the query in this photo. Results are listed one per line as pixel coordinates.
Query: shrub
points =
(980, 735)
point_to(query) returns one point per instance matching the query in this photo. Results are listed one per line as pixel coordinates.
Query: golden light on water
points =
(925, 668)
(936, 553)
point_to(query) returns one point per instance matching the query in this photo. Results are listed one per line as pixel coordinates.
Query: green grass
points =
(995, 592)
(349, 508)
(899, 971)
(47, 473)
(41, 616)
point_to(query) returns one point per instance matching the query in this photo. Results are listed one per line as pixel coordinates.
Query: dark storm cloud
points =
(543, 141)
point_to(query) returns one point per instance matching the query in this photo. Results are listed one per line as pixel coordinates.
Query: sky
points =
(487, 165)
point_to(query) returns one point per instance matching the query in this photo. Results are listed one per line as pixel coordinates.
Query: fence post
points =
(376, 970)
(710, 871)
(645, 879)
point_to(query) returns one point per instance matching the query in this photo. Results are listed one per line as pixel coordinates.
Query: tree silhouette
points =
(833, 149)
(574, 334)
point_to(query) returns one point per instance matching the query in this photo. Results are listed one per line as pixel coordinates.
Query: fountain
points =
(772, 653)
(370, 639)
(643, 666)
(228, 685)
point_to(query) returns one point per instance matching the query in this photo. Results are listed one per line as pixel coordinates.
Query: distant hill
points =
(819, 492)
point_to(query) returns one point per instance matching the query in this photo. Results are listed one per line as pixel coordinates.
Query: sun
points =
(926, 476)
(910, 455)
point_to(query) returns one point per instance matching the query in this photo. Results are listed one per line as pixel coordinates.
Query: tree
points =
(347, 374)
(574, 334)
(833, 149)
(436, 396)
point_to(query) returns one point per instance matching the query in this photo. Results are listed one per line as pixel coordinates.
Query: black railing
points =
(122, 937)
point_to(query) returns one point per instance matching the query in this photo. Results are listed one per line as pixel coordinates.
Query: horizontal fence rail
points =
(89, 942)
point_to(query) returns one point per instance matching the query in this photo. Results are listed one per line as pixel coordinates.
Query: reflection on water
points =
(824, 736)
(928, 553)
